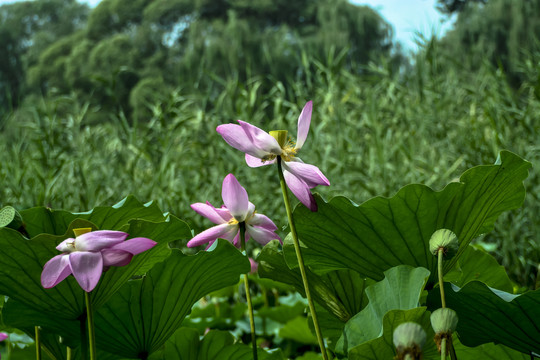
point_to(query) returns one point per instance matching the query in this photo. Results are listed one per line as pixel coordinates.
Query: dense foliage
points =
(504, 33)
(132, 53)
(125, 99)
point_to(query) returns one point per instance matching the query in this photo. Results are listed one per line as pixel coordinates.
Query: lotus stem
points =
(84, 337)
(38, 342)
(443, 348)
(90, 320)
(440, 255)
(300, 258)
(452, 351)
(248, 295)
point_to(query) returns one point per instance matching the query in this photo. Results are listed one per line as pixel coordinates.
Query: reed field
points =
(370, 135)
(400, 220)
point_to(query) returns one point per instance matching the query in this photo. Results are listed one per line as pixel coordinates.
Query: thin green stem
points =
(68, 353)
(443, 348)
(440, 271)
(451, 350)
(84, 337)
(264, 292)
(90, 320)
(8, 347)
(248, 295)
(38, 343)
(300, 258)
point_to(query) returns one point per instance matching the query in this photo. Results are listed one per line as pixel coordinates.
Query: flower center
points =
(71, 244)
(288, 147)
(78, 232)
(233, 221)
(289, 151)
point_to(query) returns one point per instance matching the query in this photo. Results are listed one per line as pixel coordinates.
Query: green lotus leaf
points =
(145, 313)
(477, 265)
(289, 307)
(298, 330)
(491, 315)
(385, 232)
(382, 347)
(22, 260)
(341, 293)
(487, 352)
(400, 290)
(218, 313)
(41, 219)
(216, 345)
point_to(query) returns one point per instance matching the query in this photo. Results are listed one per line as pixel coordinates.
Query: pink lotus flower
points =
(254, 266)
(261, 148)
(237, 209)
(3, 336)
(89, 254)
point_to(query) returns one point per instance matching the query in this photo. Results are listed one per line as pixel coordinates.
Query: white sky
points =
(407, 16)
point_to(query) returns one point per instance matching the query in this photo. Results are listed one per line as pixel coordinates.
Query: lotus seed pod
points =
(446, 239)
(9, 217)
(409, 336)
(444, 320)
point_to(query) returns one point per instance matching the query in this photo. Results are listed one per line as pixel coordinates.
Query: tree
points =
(455, 6)
(11, 70)
(193, 43)
(500, 32)
(26, 30)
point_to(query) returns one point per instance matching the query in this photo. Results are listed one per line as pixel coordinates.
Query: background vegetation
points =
(124, 99)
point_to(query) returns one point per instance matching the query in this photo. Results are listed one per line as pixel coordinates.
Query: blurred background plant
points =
(124, 98)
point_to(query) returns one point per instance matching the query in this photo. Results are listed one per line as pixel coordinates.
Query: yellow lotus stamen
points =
(288, 148)
(289, 151)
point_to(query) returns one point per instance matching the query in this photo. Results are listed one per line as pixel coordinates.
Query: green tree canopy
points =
(452, 6)
(500, 32)
(199, 43)
(27, 28)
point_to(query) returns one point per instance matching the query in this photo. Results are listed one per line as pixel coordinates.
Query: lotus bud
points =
(444, 320)
(445, 239)
(9, 217)
(280, 136)
(409, 338)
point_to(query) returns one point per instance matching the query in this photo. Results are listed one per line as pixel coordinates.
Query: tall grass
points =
(370, 135)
